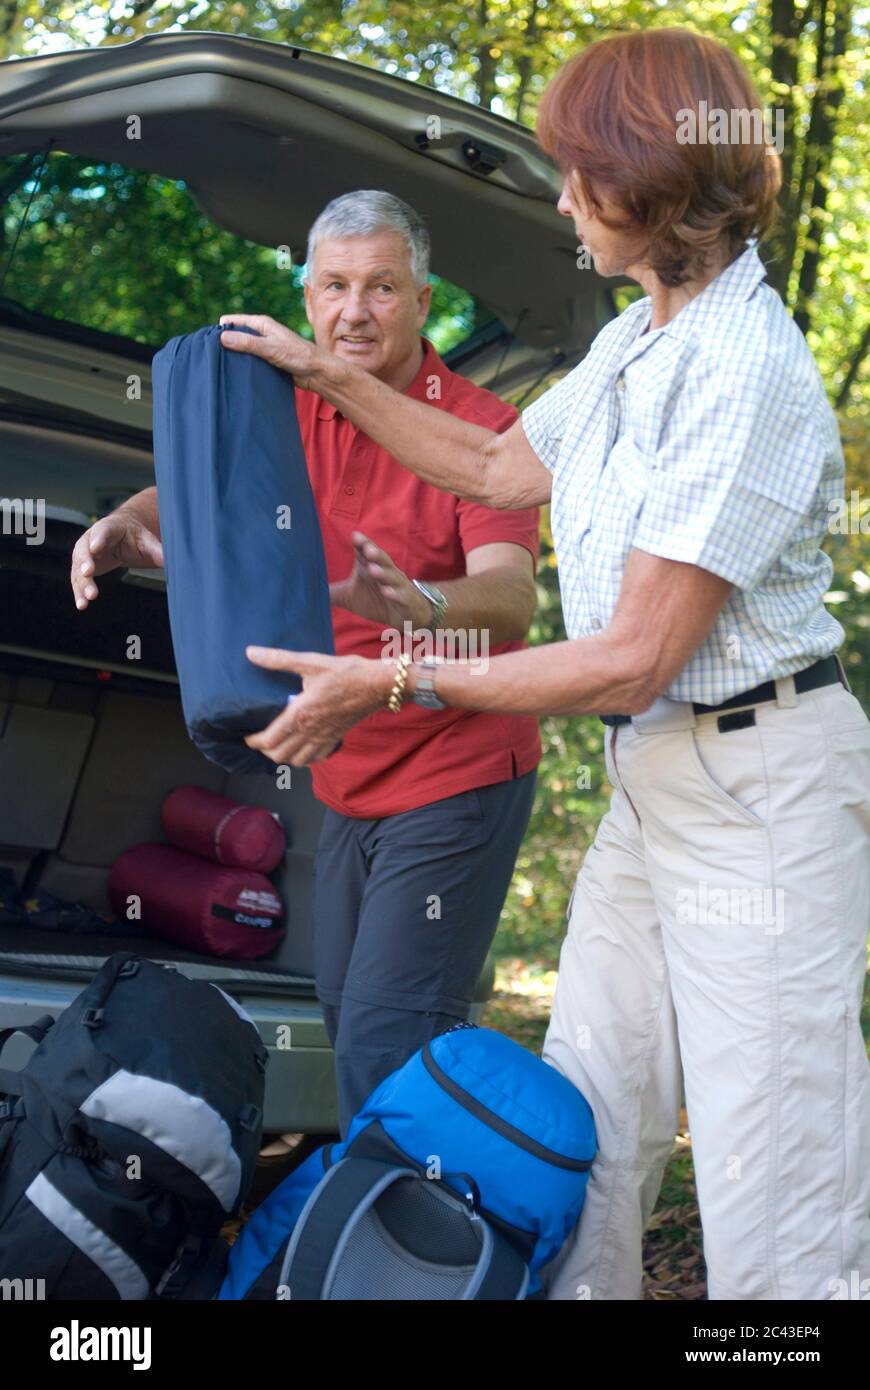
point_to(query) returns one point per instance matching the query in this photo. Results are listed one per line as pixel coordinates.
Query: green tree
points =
(808, 58)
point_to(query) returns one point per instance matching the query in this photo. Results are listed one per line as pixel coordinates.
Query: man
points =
(426, 808)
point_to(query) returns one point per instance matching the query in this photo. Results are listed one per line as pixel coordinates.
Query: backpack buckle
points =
(471, 1195)
(249, 1117)
(128, 969)
(93, 1018)
(185, 1256)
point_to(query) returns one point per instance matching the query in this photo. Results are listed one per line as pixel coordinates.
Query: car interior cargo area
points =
(92, 741)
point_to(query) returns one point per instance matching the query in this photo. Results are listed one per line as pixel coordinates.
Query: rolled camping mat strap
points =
(347, 1190)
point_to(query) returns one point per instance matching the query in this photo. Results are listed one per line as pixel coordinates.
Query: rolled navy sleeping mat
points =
(242, 547)
(201, 906)
(226, 831)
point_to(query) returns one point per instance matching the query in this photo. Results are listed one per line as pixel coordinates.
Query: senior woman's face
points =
(612, 251)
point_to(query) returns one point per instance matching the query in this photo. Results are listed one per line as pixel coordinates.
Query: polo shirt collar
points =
(419, 387)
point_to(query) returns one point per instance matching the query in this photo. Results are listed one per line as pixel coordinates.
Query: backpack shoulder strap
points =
(35, 1030)
(338, 1202)
(348, 1189)
(10, 1080)
(506, 1277)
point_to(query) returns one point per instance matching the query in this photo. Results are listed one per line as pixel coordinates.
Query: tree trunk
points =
(16, 174)
(808, 155)
(829, 103)
(524, 63)
(854, 368)
(9, 20)
(485, 81)
(785, 27)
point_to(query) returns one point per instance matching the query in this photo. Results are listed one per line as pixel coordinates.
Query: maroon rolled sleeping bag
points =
(244, 837)
(196, 904)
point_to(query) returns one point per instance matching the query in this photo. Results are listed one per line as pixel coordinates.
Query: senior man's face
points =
(363, 303)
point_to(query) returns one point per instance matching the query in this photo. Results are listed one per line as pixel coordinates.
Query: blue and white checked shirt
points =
(710, 441)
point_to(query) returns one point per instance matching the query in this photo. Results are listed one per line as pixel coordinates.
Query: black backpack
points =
(129, 1138)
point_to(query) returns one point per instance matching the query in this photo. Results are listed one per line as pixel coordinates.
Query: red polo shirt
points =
(396, 762)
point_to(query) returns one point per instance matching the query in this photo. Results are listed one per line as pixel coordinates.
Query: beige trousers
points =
(717, 943)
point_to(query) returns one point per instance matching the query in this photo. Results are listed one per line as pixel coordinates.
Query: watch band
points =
(424, 693)
(437, 600)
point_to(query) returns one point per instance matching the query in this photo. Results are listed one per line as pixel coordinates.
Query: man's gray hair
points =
(371, 210)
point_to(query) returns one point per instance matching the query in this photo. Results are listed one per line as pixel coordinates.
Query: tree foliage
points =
(809, 59)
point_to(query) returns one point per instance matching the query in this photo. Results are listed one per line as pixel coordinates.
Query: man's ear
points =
(307, 291)
(424, 300)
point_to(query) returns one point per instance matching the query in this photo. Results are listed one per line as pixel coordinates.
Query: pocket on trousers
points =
(570, 902)
(731, 768)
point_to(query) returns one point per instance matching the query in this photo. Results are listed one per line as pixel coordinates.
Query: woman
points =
(717, 927)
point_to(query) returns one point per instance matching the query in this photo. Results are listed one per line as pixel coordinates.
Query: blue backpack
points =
(463, 1174)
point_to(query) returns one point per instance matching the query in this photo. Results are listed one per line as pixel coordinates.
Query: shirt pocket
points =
(631, 472)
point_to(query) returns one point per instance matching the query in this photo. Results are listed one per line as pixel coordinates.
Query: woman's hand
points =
(276, 344)
(337, 692)
(378, 590)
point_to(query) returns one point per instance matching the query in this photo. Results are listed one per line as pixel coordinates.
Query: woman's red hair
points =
(610, 118)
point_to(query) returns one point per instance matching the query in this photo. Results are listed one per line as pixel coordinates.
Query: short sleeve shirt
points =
(728, 457)
(390, 763)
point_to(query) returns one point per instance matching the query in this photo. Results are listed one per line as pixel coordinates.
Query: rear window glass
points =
(128, 252)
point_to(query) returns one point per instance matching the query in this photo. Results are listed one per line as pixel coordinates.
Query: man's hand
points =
(117, 540)
(276, 344)
(378, 590)
(337, 691)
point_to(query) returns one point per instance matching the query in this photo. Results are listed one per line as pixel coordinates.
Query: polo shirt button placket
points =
(350, 495)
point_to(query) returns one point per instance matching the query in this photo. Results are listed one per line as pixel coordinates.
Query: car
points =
(91, 741)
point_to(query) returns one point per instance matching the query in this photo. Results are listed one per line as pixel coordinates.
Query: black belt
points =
(827, 671)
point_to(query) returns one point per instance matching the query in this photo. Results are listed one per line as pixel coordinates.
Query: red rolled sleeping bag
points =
(244, 837)
(196, 904)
